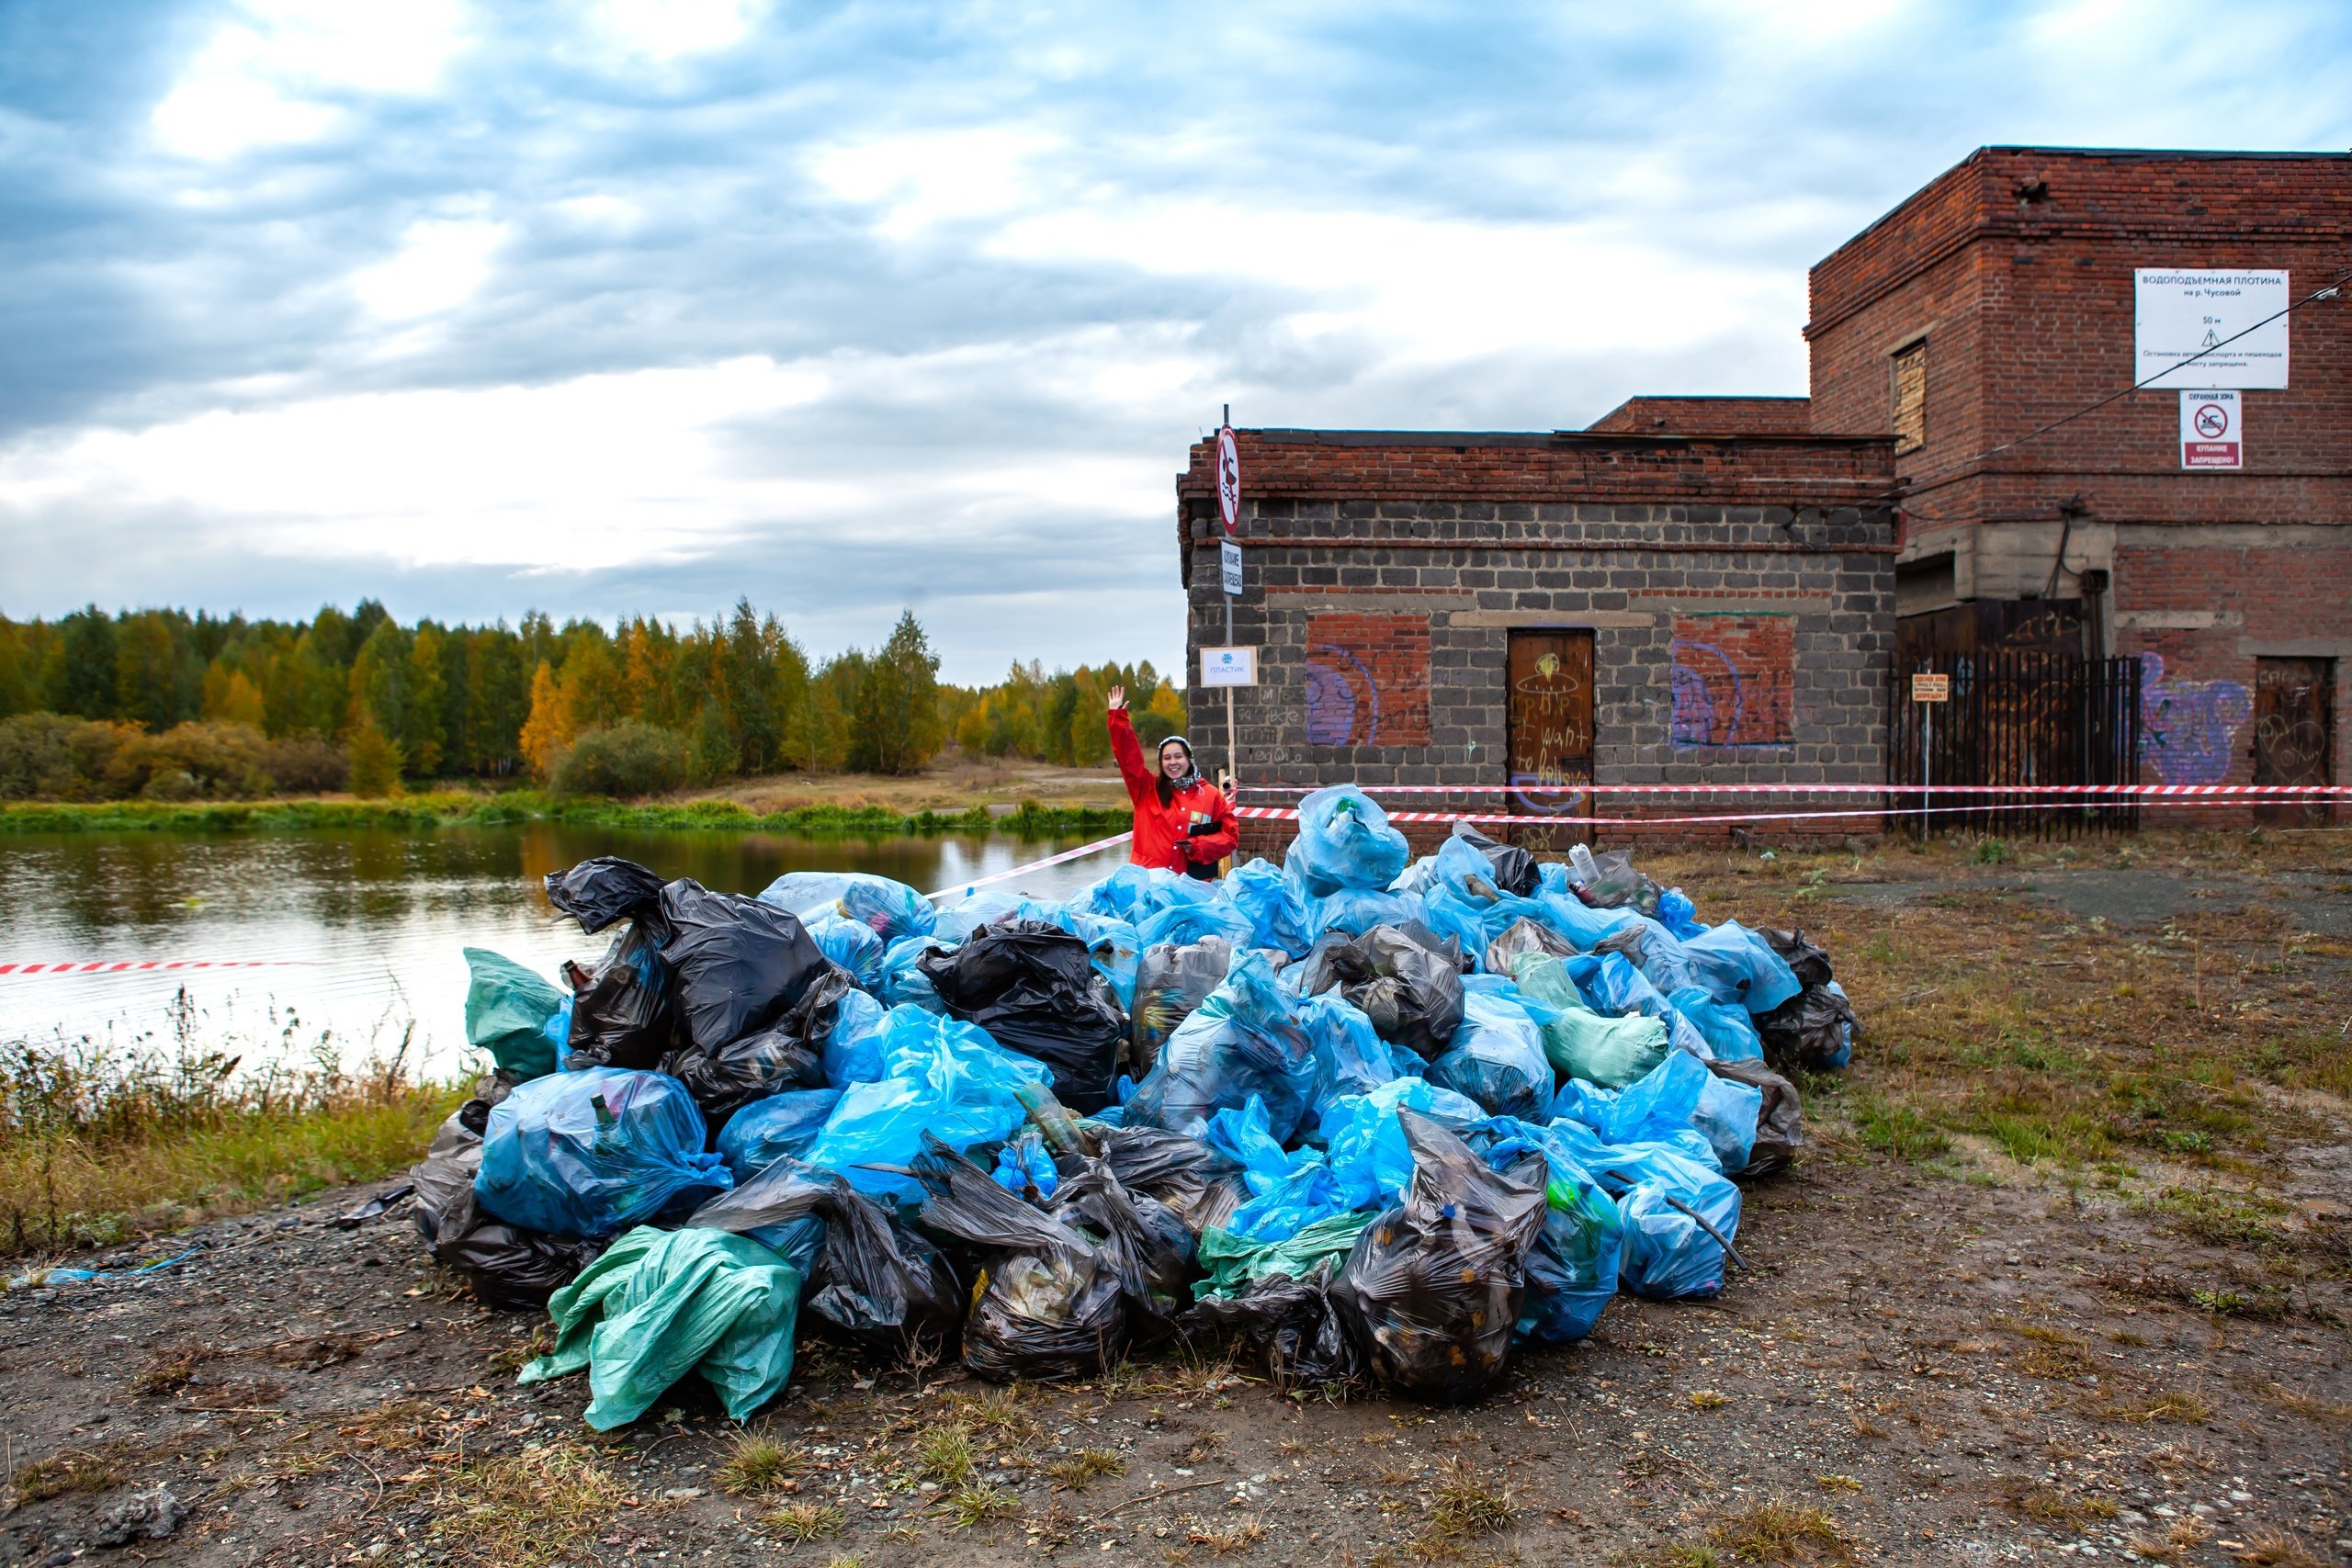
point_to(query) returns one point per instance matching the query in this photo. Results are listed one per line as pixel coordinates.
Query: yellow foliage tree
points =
(549, 729)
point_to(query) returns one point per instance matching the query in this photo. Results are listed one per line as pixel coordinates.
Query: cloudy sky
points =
(478, 305)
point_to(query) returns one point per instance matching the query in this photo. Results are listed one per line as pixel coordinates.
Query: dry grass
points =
(806, 1521)
(1780, 1533)
(1082, 1469)
(1708, 1399)
(759, 1464)
(1462, 1506)
(944, 1453)
(69, 1471)
(2184, 1536)
(1233, 1535)
(2274, 1549)
(525, 1510)
(978, 1503)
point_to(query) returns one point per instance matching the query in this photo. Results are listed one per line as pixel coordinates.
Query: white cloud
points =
(921, 180)
(665, 30)
(275, 77)
(441, 264)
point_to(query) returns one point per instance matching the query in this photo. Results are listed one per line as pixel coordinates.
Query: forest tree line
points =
(162, 704)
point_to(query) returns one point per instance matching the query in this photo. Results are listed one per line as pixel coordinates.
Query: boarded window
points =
(1911, 398)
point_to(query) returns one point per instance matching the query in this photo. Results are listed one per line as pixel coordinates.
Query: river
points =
(346, 943)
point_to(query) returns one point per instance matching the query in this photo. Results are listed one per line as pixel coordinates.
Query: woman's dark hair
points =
(1159, 769)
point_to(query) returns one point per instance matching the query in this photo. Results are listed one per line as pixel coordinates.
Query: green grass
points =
(461, 809)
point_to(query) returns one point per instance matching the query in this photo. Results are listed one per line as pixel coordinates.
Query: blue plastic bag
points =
(1110, 943)
(1243, 1135)
(1615, 987)
(1728, 1030)
(1572, 1272)
(1350, 1056)
(1181, 923)
(1669, 1254)
(1134, 892)
(1365, 1144)
(1351, 911)
(853, 1049)
(1344, 840)
(1244, 1039)
(1677, 913)
(1305, 1193)
(1656, 1105)
(1497, 1059)
(941, 1076)
(1731, 964)
(768, 1130)
(593, 1153)
(890, 909)
(959, 920)
(1024, 1163)
(850, 944)
(1277, 916)
(512, 1012)
(904, 984)
(1726, 1116)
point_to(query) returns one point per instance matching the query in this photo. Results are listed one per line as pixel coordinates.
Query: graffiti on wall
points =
(1734, 680)
(1367, 680)
(2188, 727)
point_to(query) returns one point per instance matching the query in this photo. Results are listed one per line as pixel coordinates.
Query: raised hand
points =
(1118, 697)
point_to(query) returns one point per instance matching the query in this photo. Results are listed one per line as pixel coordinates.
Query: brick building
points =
(2001, 299)
(1725, 579)
(1544, 611)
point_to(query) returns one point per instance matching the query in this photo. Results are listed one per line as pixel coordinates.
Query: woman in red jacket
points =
(1182, 821)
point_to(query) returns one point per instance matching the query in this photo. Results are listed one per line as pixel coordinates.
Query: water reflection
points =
(363, 930)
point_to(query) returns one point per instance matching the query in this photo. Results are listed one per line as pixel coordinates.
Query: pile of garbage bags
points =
(1379, 1120)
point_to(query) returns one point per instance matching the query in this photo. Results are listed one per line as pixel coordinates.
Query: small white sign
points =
(1229, 479)
(1229, 561)
(1228, 667)
(2212, 431)
(2179, 313)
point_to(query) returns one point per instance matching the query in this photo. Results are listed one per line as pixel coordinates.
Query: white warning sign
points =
(2209, 328)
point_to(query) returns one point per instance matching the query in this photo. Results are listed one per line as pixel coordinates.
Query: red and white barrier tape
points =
(2137, 790)
(1845, 814)
(145, 965)
(1095, 848)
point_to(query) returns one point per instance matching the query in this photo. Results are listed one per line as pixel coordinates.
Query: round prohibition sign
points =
(2213, 421)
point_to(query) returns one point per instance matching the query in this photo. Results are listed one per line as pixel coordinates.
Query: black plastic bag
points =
(1172, 979)
(790, 1055)
(738, 962)
(1512, 868)
(1201, 1186)
(506, 1266)
(1049, 1301)
(1809, 961)
(602, 891)
(1291, 1324)
(875, 1281)
(1523, 936)
(624, 1017)
(1144, 1240)
(1031, 986)
(1779, 1125)
(1433, 1286)
(1813, 1029)
(1406, 980)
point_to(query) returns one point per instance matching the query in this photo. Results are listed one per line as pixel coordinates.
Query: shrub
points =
(375, 763)
(45, 756)
(624, 761)
(307, 765)
(217, 762)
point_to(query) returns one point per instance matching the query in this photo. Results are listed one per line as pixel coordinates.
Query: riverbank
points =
(1026, 818)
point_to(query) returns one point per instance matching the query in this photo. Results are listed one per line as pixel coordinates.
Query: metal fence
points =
(2020, 719)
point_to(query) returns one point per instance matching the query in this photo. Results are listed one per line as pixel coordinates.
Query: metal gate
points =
(2019, 718)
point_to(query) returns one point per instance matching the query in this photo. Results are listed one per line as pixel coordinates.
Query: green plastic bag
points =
(1607, 1052)
(1234, 1264)
(507, 1010)
(659, 1304)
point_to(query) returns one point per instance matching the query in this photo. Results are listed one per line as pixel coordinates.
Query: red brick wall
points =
(1367, 680)
(1734, 680)
(1708, 416)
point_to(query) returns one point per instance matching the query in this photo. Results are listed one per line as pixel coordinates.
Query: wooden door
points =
(2294, 733)
(1551, 726)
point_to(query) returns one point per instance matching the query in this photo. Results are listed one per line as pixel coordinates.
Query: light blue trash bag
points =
(959, 920)
(1733, 964)
(1134, 892)
(1245, 1038)
(1277, 915)
(1729, 1032)
(1350, 1056)
(1364, 1143)
(903, 982)
(1497, 1059)
(1180, 924)
(1351, 911)
(853, 1049)
(1657, 1105)
(593, 1153)
(891, 909)
(769, 1130)
(849, 943)
(1573, 1270)
(941, 1076)
(1726, 1116)
(1660, 1187)
(1344, 840)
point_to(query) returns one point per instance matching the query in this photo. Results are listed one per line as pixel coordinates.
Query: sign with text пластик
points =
(2212, 433)
(2179, 314)
(1228, 667)
(1230, 566)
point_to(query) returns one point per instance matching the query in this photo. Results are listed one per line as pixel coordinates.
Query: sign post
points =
(1229, 511)
(1927, 689)
(2212, 433)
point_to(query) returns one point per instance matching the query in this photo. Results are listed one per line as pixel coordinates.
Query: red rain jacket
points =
(1161, 831)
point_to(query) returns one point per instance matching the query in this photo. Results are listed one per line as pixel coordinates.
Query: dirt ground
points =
(955, 782)
(2001, 1312)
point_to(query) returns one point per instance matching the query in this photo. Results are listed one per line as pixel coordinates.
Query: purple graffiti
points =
(1342, 701)
(2187, 727)
(1703, 696)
